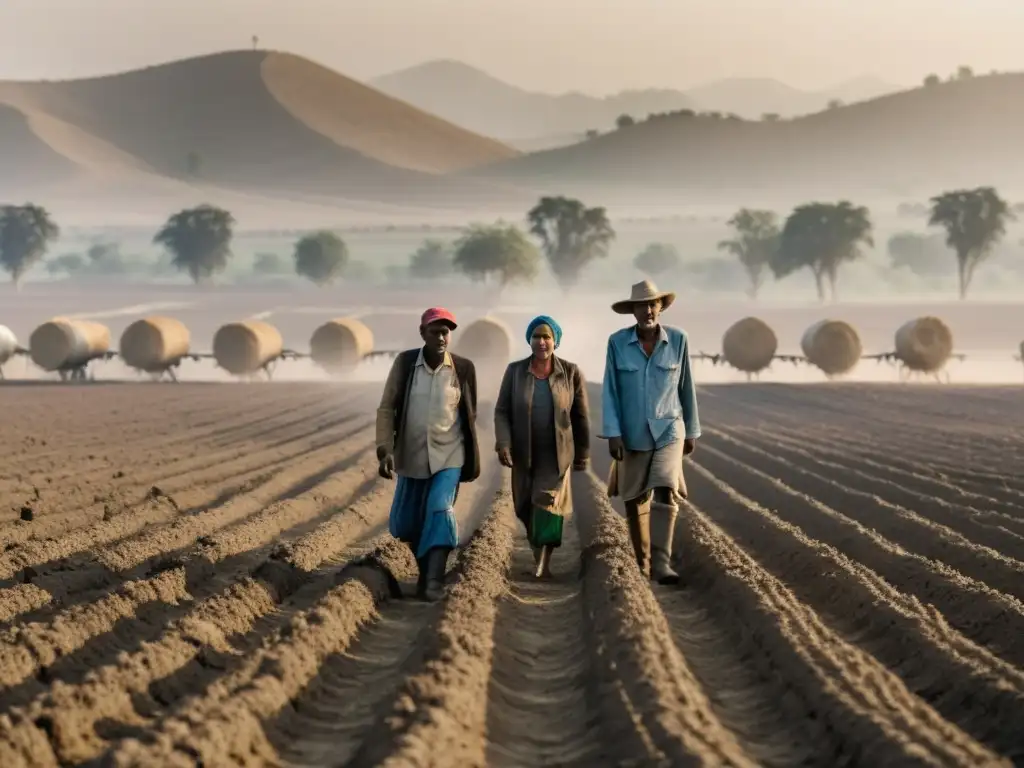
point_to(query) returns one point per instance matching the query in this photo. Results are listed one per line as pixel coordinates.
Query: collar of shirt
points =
(446, 362)
(634, 337)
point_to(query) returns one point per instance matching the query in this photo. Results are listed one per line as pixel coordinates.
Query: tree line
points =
(819, 237)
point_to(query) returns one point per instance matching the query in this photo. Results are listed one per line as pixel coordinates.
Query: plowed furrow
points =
(957, 479)
(225, 727)
(152, 420)
(868, 708)
(981, 613)
(997, 530)
(654, 710)
(542, 706)
(86, 502)
(52, 651)
(172, 459)
(905, 527)
(915, 481)
(76, 728)
(966, 684)
(439, 714)
(106, 562)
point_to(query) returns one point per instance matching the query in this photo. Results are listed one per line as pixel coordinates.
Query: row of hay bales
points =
(156, 344)
(923, 344)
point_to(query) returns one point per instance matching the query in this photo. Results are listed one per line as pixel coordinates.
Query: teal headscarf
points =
(556, 329)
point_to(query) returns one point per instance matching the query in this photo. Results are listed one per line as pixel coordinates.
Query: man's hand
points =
(689, 446)
(505, 456)
(615, 448)
(580, 465)
(386, 467)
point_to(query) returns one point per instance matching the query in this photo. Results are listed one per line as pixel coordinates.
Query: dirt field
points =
(201, 575)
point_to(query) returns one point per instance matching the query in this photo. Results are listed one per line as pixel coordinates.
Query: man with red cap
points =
(426, 434)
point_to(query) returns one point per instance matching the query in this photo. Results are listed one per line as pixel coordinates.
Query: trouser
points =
(652, 523)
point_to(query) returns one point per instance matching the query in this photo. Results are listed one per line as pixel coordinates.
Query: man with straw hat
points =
(649, 413)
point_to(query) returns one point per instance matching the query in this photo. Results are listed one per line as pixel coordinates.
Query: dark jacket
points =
(513, 409)
(391, 413)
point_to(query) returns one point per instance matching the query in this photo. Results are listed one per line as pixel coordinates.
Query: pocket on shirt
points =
(452, 397)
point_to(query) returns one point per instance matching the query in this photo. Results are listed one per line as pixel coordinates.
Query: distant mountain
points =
(484, 104)
(752, 97)
(525, 119)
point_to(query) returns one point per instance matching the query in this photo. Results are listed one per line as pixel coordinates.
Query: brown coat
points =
(512, 413)
(391, 413)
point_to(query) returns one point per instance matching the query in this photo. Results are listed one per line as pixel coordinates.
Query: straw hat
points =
(642, 292)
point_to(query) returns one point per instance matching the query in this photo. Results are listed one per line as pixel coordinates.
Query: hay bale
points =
(246, 347)
(61, 344)
(487, 342)
(749, 345)
(924, 344)
(832, 345)
(154, 344)
(8, 344)
(340, 344)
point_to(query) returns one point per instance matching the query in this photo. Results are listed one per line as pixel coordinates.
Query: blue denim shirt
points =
(649, 403)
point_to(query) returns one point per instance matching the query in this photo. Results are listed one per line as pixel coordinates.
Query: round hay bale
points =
(833, 346)
(749, 345)
(246, 347)
(8, 344)
(487, 342)
(924, 344)
(340, 344)
(60, 343)
(154, 344)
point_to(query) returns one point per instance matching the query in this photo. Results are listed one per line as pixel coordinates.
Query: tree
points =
(26, 231)
(269, 264)
(821, 237)
(835, 103)
(924, 255)
(931, 81)
(624, 121)
(657, 258)
(499, 250)
(974, 220)
(755, 244)
(199, 240)
(770, 117)
(571, 235)
(432, 259)
(321, 257)
(964, 72)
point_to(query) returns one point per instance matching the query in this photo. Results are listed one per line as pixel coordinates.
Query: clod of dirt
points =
(27, 514)
(118, 475)
(108, 513)
(155, 494)
(28, 575)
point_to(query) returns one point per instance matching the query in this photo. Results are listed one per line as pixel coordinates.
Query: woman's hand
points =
(580, 465)
(505, 456)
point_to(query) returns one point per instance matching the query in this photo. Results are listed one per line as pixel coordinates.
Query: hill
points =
(482, 103)
(918, 141)
(268, 123)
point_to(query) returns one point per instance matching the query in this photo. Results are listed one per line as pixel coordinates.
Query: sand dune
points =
(959, 133)
(253, 121)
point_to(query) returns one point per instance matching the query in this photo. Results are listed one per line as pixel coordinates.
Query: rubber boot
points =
(663, 526)
(638, 520)
(544, 562)
(437, 560)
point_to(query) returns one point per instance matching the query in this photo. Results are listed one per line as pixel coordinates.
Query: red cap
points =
(438, 314)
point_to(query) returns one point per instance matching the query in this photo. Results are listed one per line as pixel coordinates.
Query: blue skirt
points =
(423, 514)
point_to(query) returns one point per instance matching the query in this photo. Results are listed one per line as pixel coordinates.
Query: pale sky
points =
(597, 46)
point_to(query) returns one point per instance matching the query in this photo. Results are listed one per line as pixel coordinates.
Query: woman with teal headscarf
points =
(542, 430)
